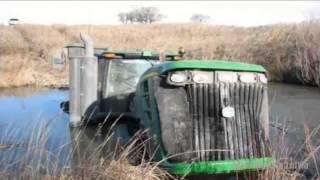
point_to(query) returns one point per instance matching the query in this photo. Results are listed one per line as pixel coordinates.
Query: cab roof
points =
(172, 63)
(153, 55)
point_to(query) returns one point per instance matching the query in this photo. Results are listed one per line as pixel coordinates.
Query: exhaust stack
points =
(83, 81)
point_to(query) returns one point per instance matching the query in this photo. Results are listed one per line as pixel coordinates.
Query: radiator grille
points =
(191, 120)
(215, 137)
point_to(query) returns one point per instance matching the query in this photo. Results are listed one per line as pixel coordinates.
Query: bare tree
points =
(200, 18)
(123, 17)
(146, 15)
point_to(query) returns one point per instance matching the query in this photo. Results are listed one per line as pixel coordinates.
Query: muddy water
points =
(295, 113)
(29, 117)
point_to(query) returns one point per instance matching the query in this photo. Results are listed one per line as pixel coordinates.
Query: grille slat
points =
(254, 107)
(224, 138)
(195, 121)
(238, 121)
(234, 139)
(211, 119)
(242, 121)
(251, 121)
(206, 120)
(218, 135)
(259, 126)
(248, 119)
(201, 121)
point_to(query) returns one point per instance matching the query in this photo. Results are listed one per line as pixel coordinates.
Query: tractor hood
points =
(217, 126)
(201, 64)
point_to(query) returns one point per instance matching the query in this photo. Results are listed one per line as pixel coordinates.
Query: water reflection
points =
(31, 120)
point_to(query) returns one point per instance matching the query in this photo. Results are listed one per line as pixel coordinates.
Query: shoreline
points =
(60, 87)
(66, 86)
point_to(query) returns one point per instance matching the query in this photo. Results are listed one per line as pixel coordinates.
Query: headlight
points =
(263, 79)
(248, 77)
(202, 77)
(227, 76)
(179, 77)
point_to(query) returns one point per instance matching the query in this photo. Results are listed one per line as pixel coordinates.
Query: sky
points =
(238, 13)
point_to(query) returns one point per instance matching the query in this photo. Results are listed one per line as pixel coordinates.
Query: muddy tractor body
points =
(201, 116)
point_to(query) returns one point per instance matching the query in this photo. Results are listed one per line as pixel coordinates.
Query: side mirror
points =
(58, 60)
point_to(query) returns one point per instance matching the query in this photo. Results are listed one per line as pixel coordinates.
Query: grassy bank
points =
(291, 53)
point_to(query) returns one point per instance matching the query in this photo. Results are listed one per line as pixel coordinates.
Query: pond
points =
(295, 115)
(32, 124)
(31, 116)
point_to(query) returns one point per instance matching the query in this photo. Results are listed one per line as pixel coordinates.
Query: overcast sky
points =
(241, 13)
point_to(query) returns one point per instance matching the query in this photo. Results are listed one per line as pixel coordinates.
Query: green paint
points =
(226, 166)
(201, 64)
(147, 53)
(210, 64)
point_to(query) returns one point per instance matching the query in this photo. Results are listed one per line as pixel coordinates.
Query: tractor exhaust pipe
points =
(83, 81)
(88, 45)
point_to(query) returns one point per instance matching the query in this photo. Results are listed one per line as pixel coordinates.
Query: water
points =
(295, 115)
(25, 112)
(32, 122)
(296, 104)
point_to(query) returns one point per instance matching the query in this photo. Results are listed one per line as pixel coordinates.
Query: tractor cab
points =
(103, 81)
(119, 73)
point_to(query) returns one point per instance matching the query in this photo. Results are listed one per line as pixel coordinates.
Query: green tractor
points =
(201, 116)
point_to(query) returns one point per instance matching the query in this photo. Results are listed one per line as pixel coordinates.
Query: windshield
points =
(125, 74)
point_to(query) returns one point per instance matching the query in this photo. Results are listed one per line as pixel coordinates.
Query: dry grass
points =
(109, 161)
(291, 52)
(294, 162)
(84, 161)
(95, 162)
